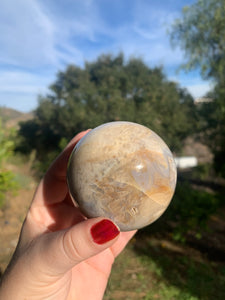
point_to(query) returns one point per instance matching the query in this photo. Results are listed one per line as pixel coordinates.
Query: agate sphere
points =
(122, 171)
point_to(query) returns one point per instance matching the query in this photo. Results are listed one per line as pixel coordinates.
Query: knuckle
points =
(71, 249)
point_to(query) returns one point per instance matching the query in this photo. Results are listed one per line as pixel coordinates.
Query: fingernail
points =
(104, 231)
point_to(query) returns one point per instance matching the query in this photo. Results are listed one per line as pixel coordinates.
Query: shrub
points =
(7, 180)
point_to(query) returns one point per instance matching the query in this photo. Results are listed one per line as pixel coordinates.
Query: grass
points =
(13, 177)
(181, 277)
(128, 279)
(8, 184)
(150, 270)
(22, 180)
(156, 265)
(22, 170)
(179, 257)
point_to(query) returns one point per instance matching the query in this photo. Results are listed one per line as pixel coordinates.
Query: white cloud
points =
(39, 37)
(199, 90)
(146, 33)
(42, 34)
(26, 35)
(18, 81)
(19, 89)
(31, 38)
(196, 86)
(151, 39)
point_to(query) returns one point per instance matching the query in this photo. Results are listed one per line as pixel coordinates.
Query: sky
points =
(38, 38)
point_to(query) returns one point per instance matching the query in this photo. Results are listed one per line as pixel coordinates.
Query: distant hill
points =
(11, 117)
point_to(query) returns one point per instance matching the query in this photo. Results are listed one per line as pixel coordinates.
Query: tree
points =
(200, 32)
(212, 125)
(108, 90)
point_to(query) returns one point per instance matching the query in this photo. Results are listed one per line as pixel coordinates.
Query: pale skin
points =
(56, 256)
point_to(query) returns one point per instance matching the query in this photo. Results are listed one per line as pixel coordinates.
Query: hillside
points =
(11, 117)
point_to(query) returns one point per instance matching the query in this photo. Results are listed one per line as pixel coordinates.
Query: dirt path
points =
(13, 214)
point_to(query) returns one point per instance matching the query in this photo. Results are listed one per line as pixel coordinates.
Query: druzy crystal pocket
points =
(122, 171)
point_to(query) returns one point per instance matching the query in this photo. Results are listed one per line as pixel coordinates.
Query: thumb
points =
(60, 251)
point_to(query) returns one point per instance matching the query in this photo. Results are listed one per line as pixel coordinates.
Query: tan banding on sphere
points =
(123, 171)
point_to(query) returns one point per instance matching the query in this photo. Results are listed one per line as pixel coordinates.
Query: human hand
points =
(60, 253)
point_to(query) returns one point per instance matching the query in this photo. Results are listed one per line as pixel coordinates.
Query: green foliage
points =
(201, 33)
(7, 182)
(179, 276)
(212, 124)
(190, 210)
(6, 146)
(108, 90)
(202, 171)
(148, 270)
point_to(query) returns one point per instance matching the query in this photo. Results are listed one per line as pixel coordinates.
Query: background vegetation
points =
(106, 90)
(7, 179)
(181, 256)
(201, 34)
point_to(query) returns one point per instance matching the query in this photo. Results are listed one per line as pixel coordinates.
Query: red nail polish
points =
(104, 231)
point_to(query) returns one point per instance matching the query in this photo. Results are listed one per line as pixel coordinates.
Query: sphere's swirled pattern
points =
(122, 171)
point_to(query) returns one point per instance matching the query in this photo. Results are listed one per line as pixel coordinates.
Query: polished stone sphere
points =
(122, 171)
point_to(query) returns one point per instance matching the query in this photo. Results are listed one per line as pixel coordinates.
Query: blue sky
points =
(40, 37)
